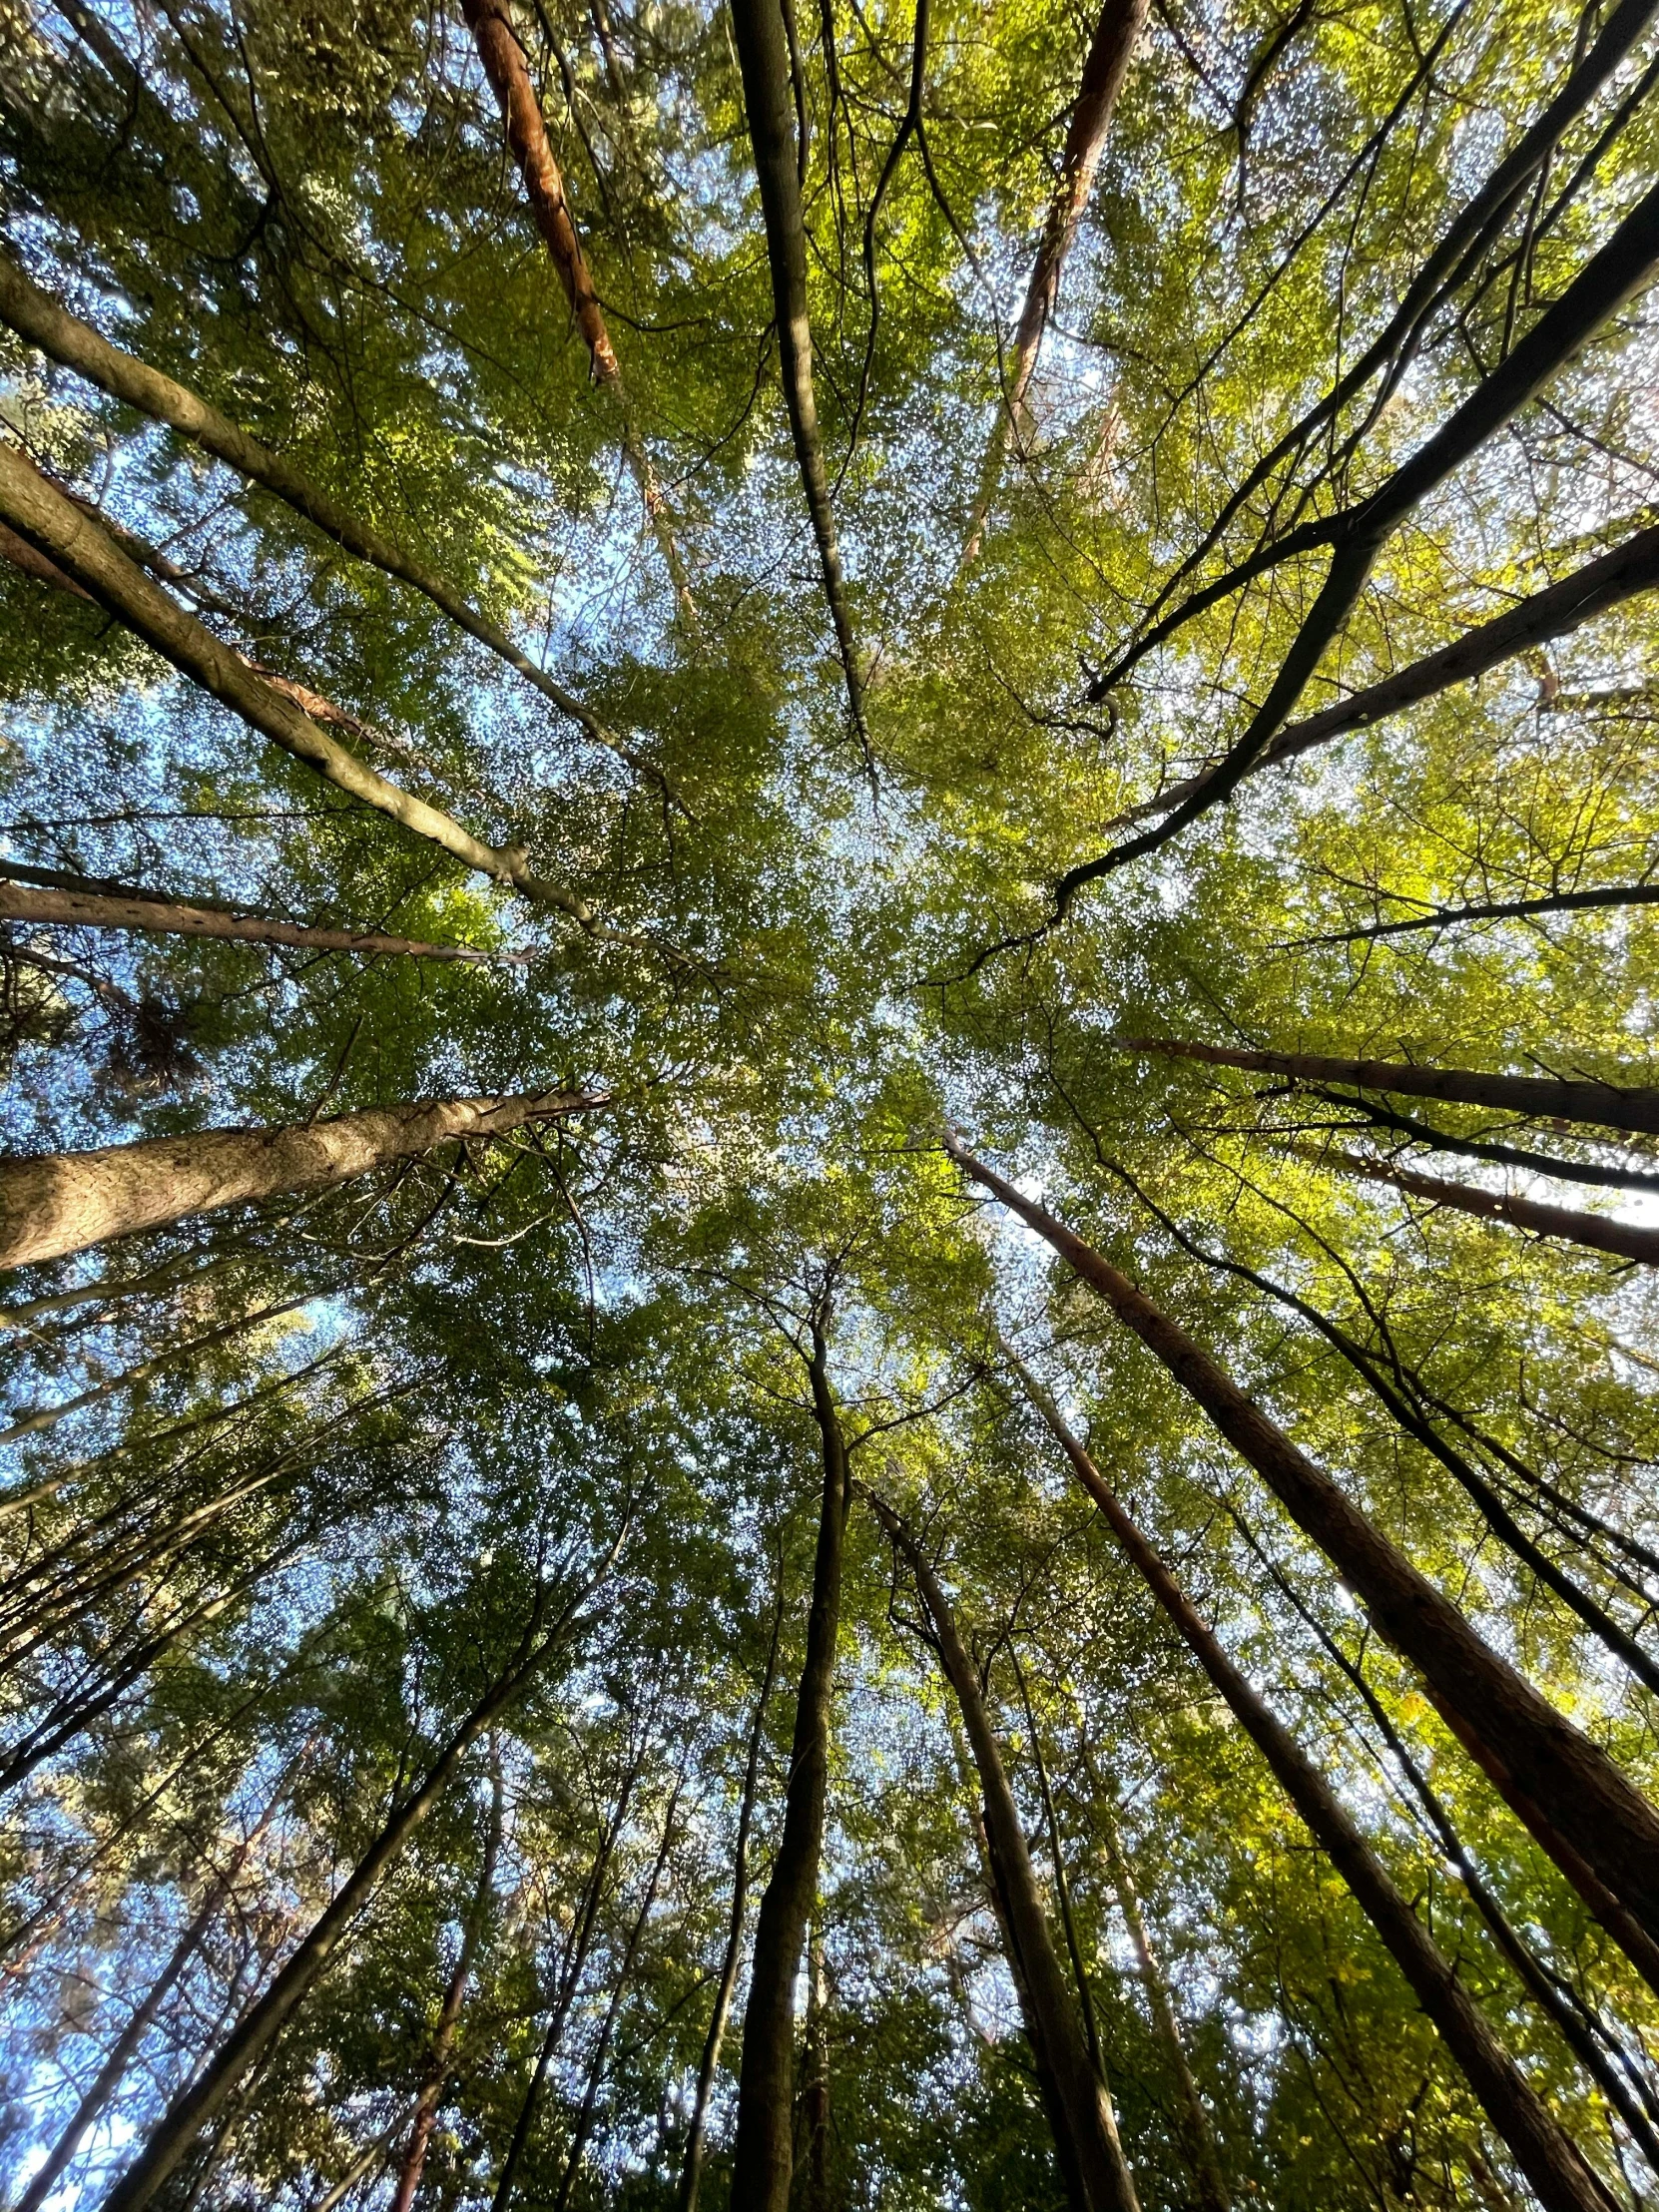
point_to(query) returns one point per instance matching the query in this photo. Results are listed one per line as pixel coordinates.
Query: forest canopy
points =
(829, 982)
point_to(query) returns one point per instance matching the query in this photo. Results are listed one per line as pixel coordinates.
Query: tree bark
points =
(1554, 613)
(1091, 2131)
(1105, 66)
(450, 2013)
(43, 323)
(1540, 1097)
(1595, 1231)
(1558, 2175)
(1602, 1832)
(166, 917)
(56, 1203)
(170, 2141)
(491, 25)
(768, 102)
(87, 553)
(690, 2174)
(764, 2155)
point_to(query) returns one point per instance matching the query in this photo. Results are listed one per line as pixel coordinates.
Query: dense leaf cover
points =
(786, 892)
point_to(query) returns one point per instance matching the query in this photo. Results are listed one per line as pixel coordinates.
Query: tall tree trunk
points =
(55, 1202)
(1552, 2165)
(1602, 1833)
(1622, 1238)
(1210, 2190)
(690, 2173)
(1555, 612)
(166, 917)
(1104, 67)
(573, 1959)
(625, 1974)
(1549, 1993)
(1054, 2111)
(1062, 1887)
(762, 2156)
(815, 2096)
(1542, 1097)
(42, 322)
(87, 552)
(491, 25)
(768, 102)
(199, 2106)
(1084, 2102)
(450, 2013)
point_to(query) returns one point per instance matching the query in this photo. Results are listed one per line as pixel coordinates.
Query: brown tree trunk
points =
(1552, 2165)
(165, 918)
(1594, 1231)
(1084, 2104)
(87, 553)
(763, 2157)
(450, 2013)
(1602, 1833)
(1104, 69)
(1556, 612)
(170, 2141)
(491, 25)
(43, 323)
(56, 1203)
(690, 2173)
(768, 102)
(1542, 1097)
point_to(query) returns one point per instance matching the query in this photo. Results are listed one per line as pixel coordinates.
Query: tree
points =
(478, 1038)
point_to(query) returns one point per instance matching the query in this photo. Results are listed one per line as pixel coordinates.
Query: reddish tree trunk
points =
(1602, 1832)
(1552, 2165)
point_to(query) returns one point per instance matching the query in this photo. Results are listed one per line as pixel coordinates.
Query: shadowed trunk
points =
(450, 2013)
(1553, 613)
(691, 2175)
(1602, 1833)
(1104, 67)
(768, 102)
(1594, 1231)
(1552, 2165)
(54, 1203)
(1089, 2129)
(763, 2157)
(1542, 1097)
